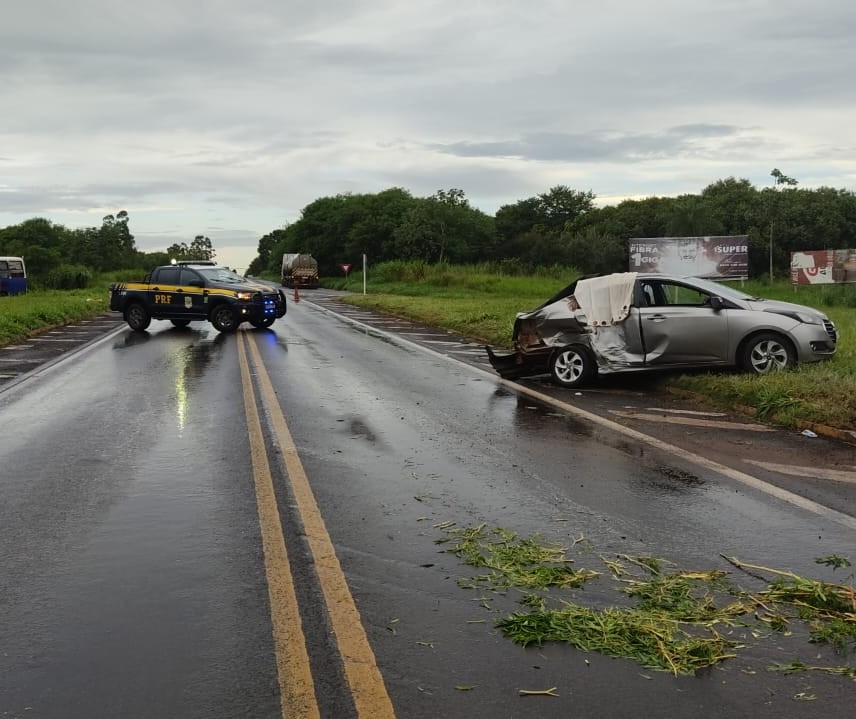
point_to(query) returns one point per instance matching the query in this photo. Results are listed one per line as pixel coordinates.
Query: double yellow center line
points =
(295, 677)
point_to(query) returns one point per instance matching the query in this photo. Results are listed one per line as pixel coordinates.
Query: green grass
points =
(473, 300)
(481, 304)
(23, 316)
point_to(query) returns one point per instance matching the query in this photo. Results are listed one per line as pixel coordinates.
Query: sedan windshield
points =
(220, 274)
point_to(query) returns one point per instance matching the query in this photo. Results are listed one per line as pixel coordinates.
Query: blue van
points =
(13, 276)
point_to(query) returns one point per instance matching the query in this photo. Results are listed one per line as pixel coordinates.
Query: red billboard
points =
(823, 267)
(712, 257)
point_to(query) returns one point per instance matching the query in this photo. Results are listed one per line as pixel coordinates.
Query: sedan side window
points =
(648, 294)
(686, 296)
(652, 294)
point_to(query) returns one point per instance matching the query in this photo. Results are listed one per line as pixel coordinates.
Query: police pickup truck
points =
(190, 291)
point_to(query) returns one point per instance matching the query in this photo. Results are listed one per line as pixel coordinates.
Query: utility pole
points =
(779, 178)
(771, 247)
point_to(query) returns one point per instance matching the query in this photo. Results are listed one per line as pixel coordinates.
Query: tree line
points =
(562, 226)
(62, 258)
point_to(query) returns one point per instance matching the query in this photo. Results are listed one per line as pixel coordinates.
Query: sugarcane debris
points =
(514, 562)
(829, 610)
(671, 620)
(551, 692)
(794, 667)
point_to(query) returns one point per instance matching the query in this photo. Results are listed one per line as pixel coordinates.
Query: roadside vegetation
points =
(23, 316)
(45, 307)
(481, 301)
(562, 225)
(647, 610)
(424, 254)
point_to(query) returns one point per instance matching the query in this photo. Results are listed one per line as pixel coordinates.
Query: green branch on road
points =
(676, 621)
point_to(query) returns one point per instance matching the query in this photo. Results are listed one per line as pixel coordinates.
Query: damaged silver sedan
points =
(630, 321)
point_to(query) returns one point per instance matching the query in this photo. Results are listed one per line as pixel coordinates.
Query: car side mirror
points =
(716, 303)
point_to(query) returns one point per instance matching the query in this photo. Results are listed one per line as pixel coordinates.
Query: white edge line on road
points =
(837, 475)
(747, 479)
(57, 361)
(692, 421)
(690, 412)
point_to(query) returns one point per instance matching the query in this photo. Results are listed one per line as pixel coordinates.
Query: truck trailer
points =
(299, 270)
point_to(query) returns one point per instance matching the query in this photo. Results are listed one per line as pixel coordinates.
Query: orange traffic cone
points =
(296, 294)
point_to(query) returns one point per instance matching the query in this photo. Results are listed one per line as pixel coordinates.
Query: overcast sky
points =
(226, 117)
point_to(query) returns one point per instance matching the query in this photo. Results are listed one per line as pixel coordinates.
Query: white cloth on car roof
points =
(606, 300)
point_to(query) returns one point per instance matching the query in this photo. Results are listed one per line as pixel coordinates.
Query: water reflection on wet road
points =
(134, 581)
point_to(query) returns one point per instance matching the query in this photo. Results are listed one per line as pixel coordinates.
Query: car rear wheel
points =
(262, 323)
(572, 366)
(180, 323)
(224, 319)
(137, 317)
(767, 352)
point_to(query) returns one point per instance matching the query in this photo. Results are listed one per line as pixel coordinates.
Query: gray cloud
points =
(232, 116)
(684, 141)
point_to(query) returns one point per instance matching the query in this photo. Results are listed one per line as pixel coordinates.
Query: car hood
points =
(780, 307)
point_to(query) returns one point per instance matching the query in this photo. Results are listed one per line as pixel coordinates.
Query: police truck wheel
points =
(572, 366)
(261, 324)
(137, 317)
(224, 319)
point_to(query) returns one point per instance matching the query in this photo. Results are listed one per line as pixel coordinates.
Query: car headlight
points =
(804, 317)
(246, 296)
(808, 319)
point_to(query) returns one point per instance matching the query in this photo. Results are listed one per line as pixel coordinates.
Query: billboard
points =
(712, 257)
(823, 267)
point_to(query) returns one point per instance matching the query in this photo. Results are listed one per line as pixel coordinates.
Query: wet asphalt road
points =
(134, 583)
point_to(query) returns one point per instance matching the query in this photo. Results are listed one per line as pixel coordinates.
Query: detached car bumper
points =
(517, 364)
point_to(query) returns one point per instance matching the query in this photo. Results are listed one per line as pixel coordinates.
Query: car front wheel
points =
(262, 323)
(224, 319)
(767, 352)
(572, 366)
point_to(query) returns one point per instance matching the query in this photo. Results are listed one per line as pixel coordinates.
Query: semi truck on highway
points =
(299, 270)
